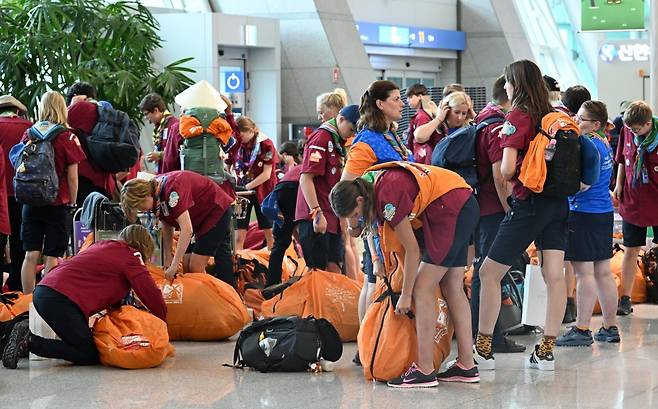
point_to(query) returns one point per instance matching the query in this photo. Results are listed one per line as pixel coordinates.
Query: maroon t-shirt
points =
(12, 129)
(321, 159)
(5, 227)
(395, 192)
(185, 190)
(266, 156)
(292, 175)
(172, 141)
(422, 151)
(102, 276)
(488, 152)
(83, 116)
(67, 152)
(517, 132)
(639, 202)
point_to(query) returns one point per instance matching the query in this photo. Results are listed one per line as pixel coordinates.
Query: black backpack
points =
(563, 172)
(287, 344)
(113, 145)
(457, 151)
(36, 182)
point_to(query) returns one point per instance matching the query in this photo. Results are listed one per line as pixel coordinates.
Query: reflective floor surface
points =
(603, 376)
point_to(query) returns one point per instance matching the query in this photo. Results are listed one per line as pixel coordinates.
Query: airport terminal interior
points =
(328, 204)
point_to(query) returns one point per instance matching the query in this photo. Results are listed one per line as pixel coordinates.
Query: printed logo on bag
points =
(389, 212)
(134, 342)
(173, 199)
(508, 129)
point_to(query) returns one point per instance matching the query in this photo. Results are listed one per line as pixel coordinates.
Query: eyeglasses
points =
(581, 119)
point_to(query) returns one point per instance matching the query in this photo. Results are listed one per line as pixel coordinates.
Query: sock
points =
(546, 346)
(570, 301)
(483, 344)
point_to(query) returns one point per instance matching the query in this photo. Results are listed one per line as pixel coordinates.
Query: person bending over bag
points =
(198, 207)
(92, 281)
(419, 206)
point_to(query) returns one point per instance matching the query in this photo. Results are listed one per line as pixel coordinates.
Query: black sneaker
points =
(608, 335)
(569, 312)
(414, 378)
(508, 346)
(624, 307)
(457, 374)
(17, 345)
(546, 363)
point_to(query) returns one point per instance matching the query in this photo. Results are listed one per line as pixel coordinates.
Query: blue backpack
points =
(457, 151)
(36, 182)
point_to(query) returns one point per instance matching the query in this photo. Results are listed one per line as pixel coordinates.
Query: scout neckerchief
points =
(649, 145)
(396, 144)
(160, 204)
(331, 126)
(244, 166)
(157, 132)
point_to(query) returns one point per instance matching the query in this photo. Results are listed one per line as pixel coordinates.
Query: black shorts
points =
(538, 218)
(467, 221)
(263, 221)
(207, 244)
(590, 236)
(636, 236)
(44, 228)
(320, 249)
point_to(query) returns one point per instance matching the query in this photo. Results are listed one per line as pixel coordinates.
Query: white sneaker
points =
(482, 363)
(543, 364)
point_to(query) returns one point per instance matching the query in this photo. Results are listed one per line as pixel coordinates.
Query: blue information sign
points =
(411, 37)
(233, 81)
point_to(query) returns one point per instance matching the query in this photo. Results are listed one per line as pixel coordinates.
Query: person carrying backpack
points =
(13, 125)
(636, 189)
(532, 217)
(590, 238)
(492, 199)
(92, 281)
(83, 117)
(428, 213)
(49, 155)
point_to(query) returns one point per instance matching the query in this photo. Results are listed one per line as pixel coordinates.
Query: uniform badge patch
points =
(508, 129)
(330, 146)
(268, 156)
(260, 164)
(173, 199)
(315, 156)
(333, 171)
(389, 212)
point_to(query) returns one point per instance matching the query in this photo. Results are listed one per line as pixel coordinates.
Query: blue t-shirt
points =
(597, 198)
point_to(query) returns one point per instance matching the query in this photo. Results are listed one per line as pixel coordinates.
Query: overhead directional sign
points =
(411, 37)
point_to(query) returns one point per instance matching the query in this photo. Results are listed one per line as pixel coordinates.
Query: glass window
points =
(397, 80)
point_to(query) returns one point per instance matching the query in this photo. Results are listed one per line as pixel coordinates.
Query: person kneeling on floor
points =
(82, 286)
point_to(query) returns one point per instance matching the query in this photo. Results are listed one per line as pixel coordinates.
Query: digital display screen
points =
(411, 37)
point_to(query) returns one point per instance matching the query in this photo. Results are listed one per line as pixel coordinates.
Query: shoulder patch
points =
(508, 129)
(268, 155)
(173, 199)
(389, 212)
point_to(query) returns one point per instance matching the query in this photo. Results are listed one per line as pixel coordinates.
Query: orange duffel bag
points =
(14, 307)
(387, 342)
(322, 294)
(200, 307)
(639, 294)
(132, 339)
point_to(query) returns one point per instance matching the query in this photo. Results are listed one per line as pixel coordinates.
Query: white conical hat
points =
(201, 95)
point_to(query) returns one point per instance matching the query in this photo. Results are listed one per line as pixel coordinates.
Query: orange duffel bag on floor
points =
(322, 294)
(639, 294)
(132, 339)
(14, 307)
(387, 342)
(200, 307)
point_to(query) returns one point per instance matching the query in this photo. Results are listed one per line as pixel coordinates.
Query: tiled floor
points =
(604, 376)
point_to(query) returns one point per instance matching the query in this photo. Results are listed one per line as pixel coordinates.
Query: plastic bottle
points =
(549, 151)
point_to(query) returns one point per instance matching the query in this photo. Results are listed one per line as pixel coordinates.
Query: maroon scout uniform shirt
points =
(395, 192)
(322, 159)
(517, 132)
(171, 141)
(639, 203)
(185, 190)
(102, 276)
(422, 151)
(488, 152)
(12, 129)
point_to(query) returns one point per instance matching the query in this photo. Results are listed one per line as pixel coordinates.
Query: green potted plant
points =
(48, 45)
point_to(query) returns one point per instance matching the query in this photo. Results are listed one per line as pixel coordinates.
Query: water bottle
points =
(549, 151)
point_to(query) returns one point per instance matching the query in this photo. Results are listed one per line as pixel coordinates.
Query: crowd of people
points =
(356, 177)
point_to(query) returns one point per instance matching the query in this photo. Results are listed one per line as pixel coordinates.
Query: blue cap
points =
(351, 113)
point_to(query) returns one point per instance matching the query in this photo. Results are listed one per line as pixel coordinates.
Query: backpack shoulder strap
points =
(489, 121)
